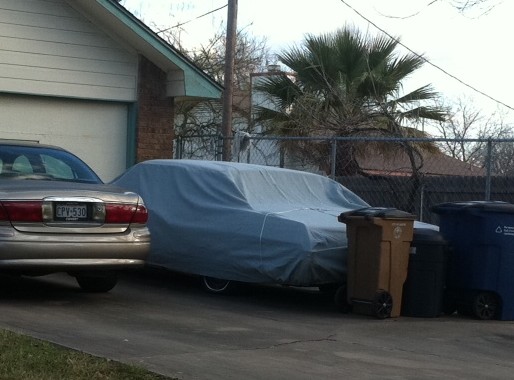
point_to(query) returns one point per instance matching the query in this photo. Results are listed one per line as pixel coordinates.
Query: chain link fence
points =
(410, 174)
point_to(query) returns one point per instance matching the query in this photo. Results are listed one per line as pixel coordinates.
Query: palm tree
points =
(347, 84)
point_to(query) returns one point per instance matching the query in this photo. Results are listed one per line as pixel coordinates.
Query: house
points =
(430, 164)
(89, 76)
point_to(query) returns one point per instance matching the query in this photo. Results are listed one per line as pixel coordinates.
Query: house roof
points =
(434, 164)
(184, 78)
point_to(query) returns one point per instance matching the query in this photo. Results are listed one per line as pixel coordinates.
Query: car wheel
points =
(217, 285)
(329, 289)
(341, 299)
(97, 283)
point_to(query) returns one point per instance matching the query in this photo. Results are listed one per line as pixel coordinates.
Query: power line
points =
(196, 18)
(425, 59)
(411, 15)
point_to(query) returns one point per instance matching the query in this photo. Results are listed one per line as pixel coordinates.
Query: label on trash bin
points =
(505, 230)
(398, 230)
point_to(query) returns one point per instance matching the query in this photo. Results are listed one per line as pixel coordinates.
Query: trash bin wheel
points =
(383, 304)
(486, 305)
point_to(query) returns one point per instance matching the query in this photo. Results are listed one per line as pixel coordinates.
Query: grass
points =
(26, 358)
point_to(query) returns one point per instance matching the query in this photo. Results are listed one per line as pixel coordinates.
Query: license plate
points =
(71, 212)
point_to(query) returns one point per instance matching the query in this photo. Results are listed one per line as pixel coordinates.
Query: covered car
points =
(244, 222)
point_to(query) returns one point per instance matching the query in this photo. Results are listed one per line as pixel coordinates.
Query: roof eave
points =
(184, 78)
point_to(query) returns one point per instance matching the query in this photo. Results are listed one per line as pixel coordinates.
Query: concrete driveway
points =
(166, 323)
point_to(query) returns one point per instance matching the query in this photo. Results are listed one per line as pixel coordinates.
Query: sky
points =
(469, 54)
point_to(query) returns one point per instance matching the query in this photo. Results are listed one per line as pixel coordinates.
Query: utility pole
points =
(230, 48)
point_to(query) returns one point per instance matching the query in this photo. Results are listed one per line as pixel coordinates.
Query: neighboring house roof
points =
(184, 78)
(433, 164)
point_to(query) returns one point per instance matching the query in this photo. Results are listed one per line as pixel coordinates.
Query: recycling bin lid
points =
(376, 212)
(474, 206)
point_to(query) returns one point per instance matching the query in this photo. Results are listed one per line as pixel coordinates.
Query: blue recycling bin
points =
(480, 273)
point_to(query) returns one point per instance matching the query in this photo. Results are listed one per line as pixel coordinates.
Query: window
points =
(57, 168)
(22, 165)
(44, 163)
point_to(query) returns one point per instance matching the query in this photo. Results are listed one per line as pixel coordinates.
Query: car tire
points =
(341, 299)
(329, 289)
(217, 285)
(97, 283)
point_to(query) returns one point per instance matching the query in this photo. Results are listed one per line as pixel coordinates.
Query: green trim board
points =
(131, 134)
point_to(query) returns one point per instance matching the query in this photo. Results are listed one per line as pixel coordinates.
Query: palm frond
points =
(347, 83)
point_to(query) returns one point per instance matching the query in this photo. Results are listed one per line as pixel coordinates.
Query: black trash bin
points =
(423, 291)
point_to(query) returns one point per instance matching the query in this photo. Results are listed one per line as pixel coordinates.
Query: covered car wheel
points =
(97, 283)
(341, 299)
(485, 306)
(329, 289)
(383, 304)
(217, 285)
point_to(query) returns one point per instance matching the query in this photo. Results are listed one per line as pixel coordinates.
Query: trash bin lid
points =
(377, 212)
(474, 206)
(428, 236)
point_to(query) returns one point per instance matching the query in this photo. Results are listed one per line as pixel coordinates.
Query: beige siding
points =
(47, 48)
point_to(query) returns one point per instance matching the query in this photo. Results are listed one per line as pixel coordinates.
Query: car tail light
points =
(141, 215)
(122, 213)
(22, 211)
(3, 213)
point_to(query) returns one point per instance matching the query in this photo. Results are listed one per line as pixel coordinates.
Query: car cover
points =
(244, 222)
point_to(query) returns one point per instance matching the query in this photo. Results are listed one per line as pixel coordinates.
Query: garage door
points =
(94, 131)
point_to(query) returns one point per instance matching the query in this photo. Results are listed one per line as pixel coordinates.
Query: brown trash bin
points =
(379, 242)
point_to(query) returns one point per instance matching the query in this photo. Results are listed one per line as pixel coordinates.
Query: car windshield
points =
(43, 163)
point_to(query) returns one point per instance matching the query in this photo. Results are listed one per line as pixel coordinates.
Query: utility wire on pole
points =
(230, 48)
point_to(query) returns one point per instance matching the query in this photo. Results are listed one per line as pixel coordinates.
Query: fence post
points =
(219, 147)
(422, 202)
(178, 147)
(333, 153)
(488, 169)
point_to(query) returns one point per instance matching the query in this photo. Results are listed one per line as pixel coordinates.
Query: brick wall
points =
(155, 132)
